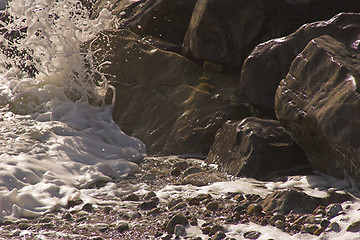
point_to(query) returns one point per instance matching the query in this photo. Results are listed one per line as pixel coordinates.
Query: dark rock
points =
(333, 210)
(177, 219)
(280, 224)
(194, 202)
(173, 202)
(216, 228)
(334, 226)
(325, 223)
(218, 235)
(175, 172)
(67, 216)
(297, 202)
(148, 205)
(276, 217)
(131, 197)
(149, 195)
(319, 104)
(252, 235)
(88, 207)
(275, 56)
(122, 227)
(354, 227)
(73, 203)
(192, 170)
(212, 206)
(182, 165)
(179, 206)
(255, 148)
(164, 99)
(254, 209)
(23, 226)
(158, 20)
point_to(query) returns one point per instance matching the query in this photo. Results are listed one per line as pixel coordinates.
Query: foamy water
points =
(52, 141)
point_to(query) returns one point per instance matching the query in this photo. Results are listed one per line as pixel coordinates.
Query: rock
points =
(177, 219)
(354, 227)
(193, 170)
(309, 228)
(135, 215)
(179, 230)
(194, 202)
(158, 20)
(206, 230)
(218, 235)
(67, 216)
(154, 212)
(298, 202)
(173, 202)
(252, 235)
(122, 227)
(149, 195)
(148, 205)
(73, 202)
(280, 224)
(201, 179)
(319, 231)
(175, 172)
(325, 223)
(276, 217)
(255, 148)
(23, 226)
(179, 206)
(318, 103)
(88, 207)
(254, 209)
(333, 210)
(275, 57)
(313, 220)
(334, 226)
(131, 197)
(160, 97)
(182, 165)
(212, 206)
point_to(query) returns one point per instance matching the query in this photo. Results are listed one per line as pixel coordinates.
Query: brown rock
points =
(276, 56)
(319, 103)
(255, 148)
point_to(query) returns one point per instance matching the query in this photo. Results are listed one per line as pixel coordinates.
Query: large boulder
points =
(163, 22)
(162, 98)
(225, 31)
(269, 63)
(255, 148)
(319, 104)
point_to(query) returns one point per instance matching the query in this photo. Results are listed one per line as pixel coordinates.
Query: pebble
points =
(175, 172)
(45, 220)
(254, 209)
(238, 197)
(252, 235)
(122, 227)
(149, 195)
(108, 209)
(135, 215)
(172, 203)
(177, 219)
(67, 216)
(276, 217)
(324, 223)
(131, 197)
(154, 212)
(148, 205)
(178, 206)
(218, 235)
(206, 230)
(182, 165)
(23, 226)
(313, 220)
(73, 203)
(333, 210)
(334, 226)
(319, 231)
(179, 230)
(212, 206)
(194, 202)
(192, 170)
(354, 227)
(280, 224)
(309, 228)
(88, 207)
(216, 228)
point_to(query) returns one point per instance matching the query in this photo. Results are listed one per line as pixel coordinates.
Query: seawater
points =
(57, 134)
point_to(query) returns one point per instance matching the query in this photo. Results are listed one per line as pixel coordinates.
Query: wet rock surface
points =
(255, 148)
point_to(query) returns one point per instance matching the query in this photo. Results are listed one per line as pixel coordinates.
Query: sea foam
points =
(57, 135)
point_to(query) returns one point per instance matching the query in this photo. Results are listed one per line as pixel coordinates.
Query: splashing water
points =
(56, 132)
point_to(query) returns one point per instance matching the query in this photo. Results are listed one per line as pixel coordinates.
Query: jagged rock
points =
(269, 62)
(160, 97)
(298, 202)
(319, 103)
(255, 148)
(225, 31)
(158, 20)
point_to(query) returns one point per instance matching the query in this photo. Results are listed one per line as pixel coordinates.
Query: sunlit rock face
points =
(269, 63)
(255, 148)
(162, 22)
(163, 98)
(319, 104)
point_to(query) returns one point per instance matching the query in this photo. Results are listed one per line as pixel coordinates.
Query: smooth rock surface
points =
(319, 104)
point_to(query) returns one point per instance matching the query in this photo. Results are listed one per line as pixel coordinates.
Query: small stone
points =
(135, 215)
(122, 227)
(319, 231)
(179, 206)
(212, 206)
(45, 220)
(194, 202)
(309, 228)
(67, 216)
(179, 230)
(193, 221)
(354, 227)
(206, 230)
(149, 195)
(300, 220)
(175, 172)
(167, 237)
(174, 202)
(333, 210)
(131, 197)
(177, 219)
(182, 165)
(238, 197)
(252, 235)
(334, 226)
(154, 212)
(73, 203)
(218, 235)
(23, 226)
(280, 224)
(88, 207)
(107, 209)
(276, 217)
(147, 205)
(324, 223)
(264, 222)
(254, 209)
(312, 220)
(216, 228)
(192, 170)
